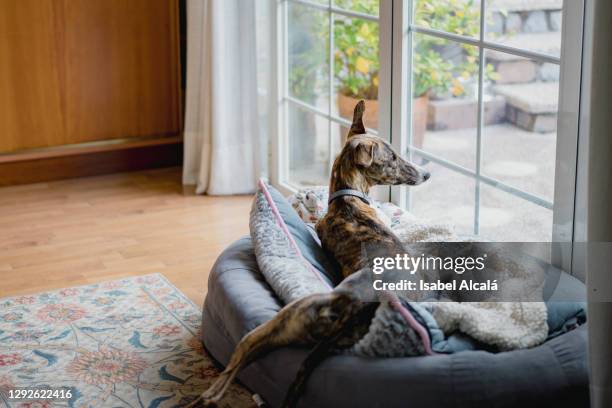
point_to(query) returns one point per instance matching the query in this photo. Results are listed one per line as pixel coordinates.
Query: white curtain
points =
(221, 120)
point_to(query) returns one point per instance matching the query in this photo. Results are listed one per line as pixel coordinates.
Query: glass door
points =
(490, 107)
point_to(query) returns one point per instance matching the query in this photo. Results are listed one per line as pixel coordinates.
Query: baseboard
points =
(90, 163)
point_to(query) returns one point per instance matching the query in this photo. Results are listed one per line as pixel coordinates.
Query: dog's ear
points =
(357, 127)
(365, 152)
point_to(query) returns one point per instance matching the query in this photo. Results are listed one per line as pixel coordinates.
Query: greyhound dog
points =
(339, 317)
(350, 222)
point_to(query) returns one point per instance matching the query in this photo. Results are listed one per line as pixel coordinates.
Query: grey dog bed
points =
(553, 374)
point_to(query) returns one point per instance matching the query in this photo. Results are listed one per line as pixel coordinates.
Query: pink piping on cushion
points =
(281, 223)
(409, 318)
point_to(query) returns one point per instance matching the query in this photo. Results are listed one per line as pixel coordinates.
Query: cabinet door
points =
(74, 71)
(122, 72)
(31, 97)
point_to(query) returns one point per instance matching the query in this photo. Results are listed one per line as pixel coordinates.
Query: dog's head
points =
(374, 159)
(379, 163)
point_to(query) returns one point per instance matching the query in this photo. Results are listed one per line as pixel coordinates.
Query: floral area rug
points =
(125, 343)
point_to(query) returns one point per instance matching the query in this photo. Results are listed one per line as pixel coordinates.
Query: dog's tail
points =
(357, 127)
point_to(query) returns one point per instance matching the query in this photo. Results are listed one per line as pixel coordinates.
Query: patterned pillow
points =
(279, 257)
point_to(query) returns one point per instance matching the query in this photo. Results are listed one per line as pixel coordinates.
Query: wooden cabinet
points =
(76, 71)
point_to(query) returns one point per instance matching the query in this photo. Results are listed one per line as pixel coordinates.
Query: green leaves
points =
(356, 60)
(431, 71)
(356, 56)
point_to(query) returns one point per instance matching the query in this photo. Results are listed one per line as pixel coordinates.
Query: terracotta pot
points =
(419, 120)
(346, 105)
(420, 105)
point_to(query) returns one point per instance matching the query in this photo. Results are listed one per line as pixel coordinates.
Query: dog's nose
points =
(426, 175)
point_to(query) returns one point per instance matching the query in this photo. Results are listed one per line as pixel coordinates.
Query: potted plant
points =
(438, 70)
(356, 62)
(441, 69)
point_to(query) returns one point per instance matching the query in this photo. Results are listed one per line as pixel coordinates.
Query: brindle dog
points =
(337, 319)
(365, 161)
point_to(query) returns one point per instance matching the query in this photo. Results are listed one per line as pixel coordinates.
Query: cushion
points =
(278, 255)
(304, 236)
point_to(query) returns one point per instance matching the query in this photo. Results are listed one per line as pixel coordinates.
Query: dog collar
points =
(350, 192)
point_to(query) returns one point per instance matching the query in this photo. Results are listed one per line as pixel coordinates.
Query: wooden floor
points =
(81, 231)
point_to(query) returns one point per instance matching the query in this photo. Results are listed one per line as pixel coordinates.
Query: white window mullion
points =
(277, 90)
(480, 120)
(400, 86)
(330, 89)
(285, 92)
(385, 41)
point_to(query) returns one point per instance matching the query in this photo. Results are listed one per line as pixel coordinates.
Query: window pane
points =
(520, 147)
(356, 67)
(308, 47)
(453, 16)
(447, 197)
(445, 103)
(504, 217)
(361, 6)
(531, 25)
(308, 147)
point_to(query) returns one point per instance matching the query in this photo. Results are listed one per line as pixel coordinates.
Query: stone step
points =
(524, 16)
(462, 113)
(532, 107)
(546, 43)
(537, 97)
